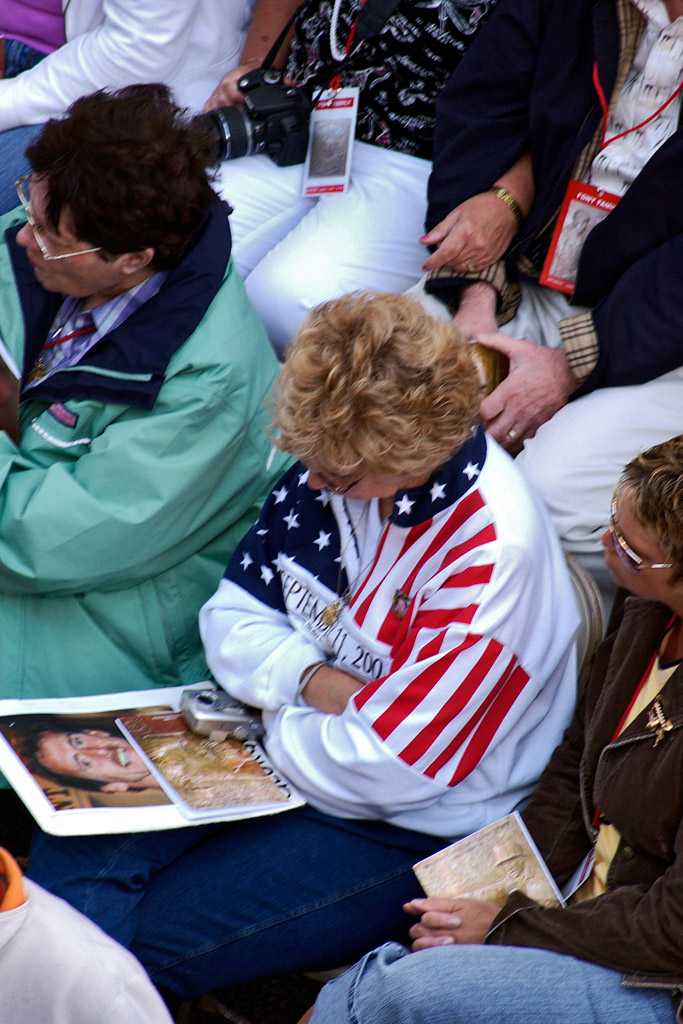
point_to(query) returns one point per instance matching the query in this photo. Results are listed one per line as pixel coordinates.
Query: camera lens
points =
(234, 131)
(206, 699)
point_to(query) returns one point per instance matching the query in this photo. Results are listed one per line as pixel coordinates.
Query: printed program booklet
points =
(126, 762)
(490, 864)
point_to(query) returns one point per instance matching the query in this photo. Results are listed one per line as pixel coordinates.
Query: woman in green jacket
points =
(141, 456)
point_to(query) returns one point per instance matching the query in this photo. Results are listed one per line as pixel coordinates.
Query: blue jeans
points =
(485, 985)
(214, 905)
(13, 163)
(18, 57)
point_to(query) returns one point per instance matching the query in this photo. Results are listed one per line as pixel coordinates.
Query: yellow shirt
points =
(609, 837)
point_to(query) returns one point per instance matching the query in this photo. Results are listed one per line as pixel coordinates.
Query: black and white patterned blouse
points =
(400, 71)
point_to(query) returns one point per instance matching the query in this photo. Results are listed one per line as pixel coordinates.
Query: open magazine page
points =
(489, 865)
(203, 777)
(78, 774)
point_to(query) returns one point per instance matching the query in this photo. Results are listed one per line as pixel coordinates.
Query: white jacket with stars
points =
(459, 624)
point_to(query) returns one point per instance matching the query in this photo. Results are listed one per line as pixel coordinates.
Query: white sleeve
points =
(407, 739)
(136, 1000)
(137, 41)
(252, 648)
(454, 710)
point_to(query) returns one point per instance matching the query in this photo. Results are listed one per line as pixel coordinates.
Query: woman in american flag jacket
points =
(424, 581)
(401, 613)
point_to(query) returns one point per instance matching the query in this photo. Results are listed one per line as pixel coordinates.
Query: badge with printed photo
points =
(332, 128)
(583, 207)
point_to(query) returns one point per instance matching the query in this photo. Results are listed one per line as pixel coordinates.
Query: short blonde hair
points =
(373, 381)
(654, 483)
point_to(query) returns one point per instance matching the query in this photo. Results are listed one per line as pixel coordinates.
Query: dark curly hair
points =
(131, 168)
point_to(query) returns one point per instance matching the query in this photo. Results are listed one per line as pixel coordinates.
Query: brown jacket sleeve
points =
(637, 925)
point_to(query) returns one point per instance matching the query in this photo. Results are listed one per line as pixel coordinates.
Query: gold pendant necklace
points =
(37, 372)
(332, 611)
(42, 364)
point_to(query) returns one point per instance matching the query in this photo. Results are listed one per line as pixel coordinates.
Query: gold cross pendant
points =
(656, 720)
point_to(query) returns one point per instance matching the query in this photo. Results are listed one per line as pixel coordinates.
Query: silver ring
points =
(470, 266)
(513, 435)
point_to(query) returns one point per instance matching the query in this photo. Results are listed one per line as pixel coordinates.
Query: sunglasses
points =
(629, 558)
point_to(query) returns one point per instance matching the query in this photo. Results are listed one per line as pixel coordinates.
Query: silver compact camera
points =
(217, 715)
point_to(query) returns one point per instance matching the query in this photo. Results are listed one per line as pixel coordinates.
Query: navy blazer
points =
(526, 84)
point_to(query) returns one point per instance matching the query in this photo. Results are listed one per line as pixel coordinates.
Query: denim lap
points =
(299, 890)
(485, 985)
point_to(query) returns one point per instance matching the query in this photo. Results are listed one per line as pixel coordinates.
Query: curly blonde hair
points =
(654, 482)
(372, 381)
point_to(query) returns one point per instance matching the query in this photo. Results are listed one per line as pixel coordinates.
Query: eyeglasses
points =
(21, 185)
(627, 555)
(334, 489)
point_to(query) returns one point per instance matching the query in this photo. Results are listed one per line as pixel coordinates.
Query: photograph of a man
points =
(86, 757)
(93, 755)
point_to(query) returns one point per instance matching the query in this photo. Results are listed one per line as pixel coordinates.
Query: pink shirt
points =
(38, 23)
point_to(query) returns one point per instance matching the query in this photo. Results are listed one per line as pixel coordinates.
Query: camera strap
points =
(371, 19)
(373, 16)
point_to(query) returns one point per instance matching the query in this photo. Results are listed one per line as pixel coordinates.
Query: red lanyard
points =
(68, 337)
(335, 82)
(605, 110)
(352, 33)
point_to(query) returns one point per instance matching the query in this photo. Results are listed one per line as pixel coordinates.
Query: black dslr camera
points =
(273, 120)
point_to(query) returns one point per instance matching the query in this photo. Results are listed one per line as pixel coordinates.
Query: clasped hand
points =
(444, 922)
(473, 235)
(539, 380)
(539, 383)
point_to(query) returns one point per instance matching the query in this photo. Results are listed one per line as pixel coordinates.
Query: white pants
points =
(295, 253)
(576, 458)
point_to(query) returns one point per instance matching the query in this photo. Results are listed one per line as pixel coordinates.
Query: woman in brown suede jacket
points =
(610, 801)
